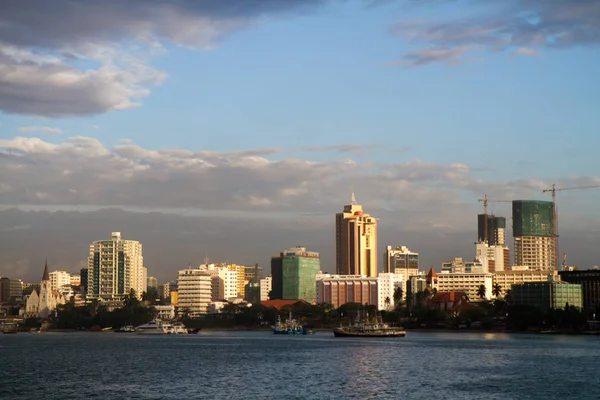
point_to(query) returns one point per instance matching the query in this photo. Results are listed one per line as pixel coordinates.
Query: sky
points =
(238, 128)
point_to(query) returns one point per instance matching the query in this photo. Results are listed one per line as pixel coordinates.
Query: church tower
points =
(45, 294)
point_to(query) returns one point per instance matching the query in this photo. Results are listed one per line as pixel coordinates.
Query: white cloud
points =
(525, 51)
(43, 129)
(81, 172)
(83, 58)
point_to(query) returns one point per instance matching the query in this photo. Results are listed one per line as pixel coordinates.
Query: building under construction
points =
(495, 226)
(533, 232)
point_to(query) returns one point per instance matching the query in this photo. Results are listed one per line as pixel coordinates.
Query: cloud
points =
(43, 129)
(522, 25)
(82, 172)
(74, 58)
(525, 51)
(446, 55)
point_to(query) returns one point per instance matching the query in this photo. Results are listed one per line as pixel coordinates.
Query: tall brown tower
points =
(356, 241)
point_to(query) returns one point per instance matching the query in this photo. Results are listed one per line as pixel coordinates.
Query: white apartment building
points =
(59, 279)
(387, 284)
(465, 282)
(492, 258)
(266, 285)
(194, 288)
(225, 280)
(228, 284)
(115, 267)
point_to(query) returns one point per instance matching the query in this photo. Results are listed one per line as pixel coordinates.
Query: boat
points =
(369, 329)
(291, 326)
(178, 328)
(154, 327)
(9, 328)
(126, 329)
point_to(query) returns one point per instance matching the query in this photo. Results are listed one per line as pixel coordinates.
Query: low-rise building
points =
(506, 279)
(468, 283)
(341, 289)
(547, 295)
(590, 286)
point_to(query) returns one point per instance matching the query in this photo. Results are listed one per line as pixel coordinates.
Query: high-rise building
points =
(152, 282)
(241, 278)
(115, 267)
(356, 241)
(533, 232)
(400, 260)
(194, 291)
(496, 229)
(294, 272)
(59, 279)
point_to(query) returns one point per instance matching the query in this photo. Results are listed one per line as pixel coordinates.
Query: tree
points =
(497, 290)
(387, 302)
(398, 295)
(481, 292)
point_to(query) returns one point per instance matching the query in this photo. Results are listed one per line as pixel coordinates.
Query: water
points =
(260, 365)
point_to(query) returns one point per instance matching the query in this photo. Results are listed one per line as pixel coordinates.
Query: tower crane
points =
(485, 201)
(553, 190)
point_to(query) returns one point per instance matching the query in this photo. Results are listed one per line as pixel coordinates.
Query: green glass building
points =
(294, 272)
(533, 218)
(546, 295)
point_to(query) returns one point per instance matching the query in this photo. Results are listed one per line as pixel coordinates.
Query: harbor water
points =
(259, 365)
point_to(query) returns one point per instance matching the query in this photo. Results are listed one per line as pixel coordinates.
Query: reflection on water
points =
(248, 365)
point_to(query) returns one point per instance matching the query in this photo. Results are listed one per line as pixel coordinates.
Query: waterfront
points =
(244, 365)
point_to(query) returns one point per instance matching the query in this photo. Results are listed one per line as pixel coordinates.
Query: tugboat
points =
(291, 326)
(369, 329)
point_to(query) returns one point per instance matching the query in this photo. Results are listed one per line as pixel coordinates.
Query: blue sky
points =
(409, 91)
(324, 77)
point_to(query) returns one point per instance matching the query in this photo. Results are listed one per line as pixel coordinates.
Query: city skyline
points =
(242, 128)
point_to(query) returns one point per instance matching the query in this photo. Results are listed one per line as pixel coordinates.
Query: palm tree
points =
(496, 290)
(398, 295)
(481, 291)
(387, 302)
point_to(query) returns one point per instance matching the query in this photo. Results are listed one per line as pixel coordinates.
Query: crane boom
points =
(485, 201)
(553, 190)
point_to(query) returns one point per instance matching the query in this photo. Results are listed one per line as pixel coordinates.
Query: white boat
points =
(179, 328)
(155, 327)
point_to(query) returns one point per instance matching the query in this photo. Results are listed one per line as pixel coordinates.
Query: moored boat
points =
(155, 327)
(366, 329)
(291, 326)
